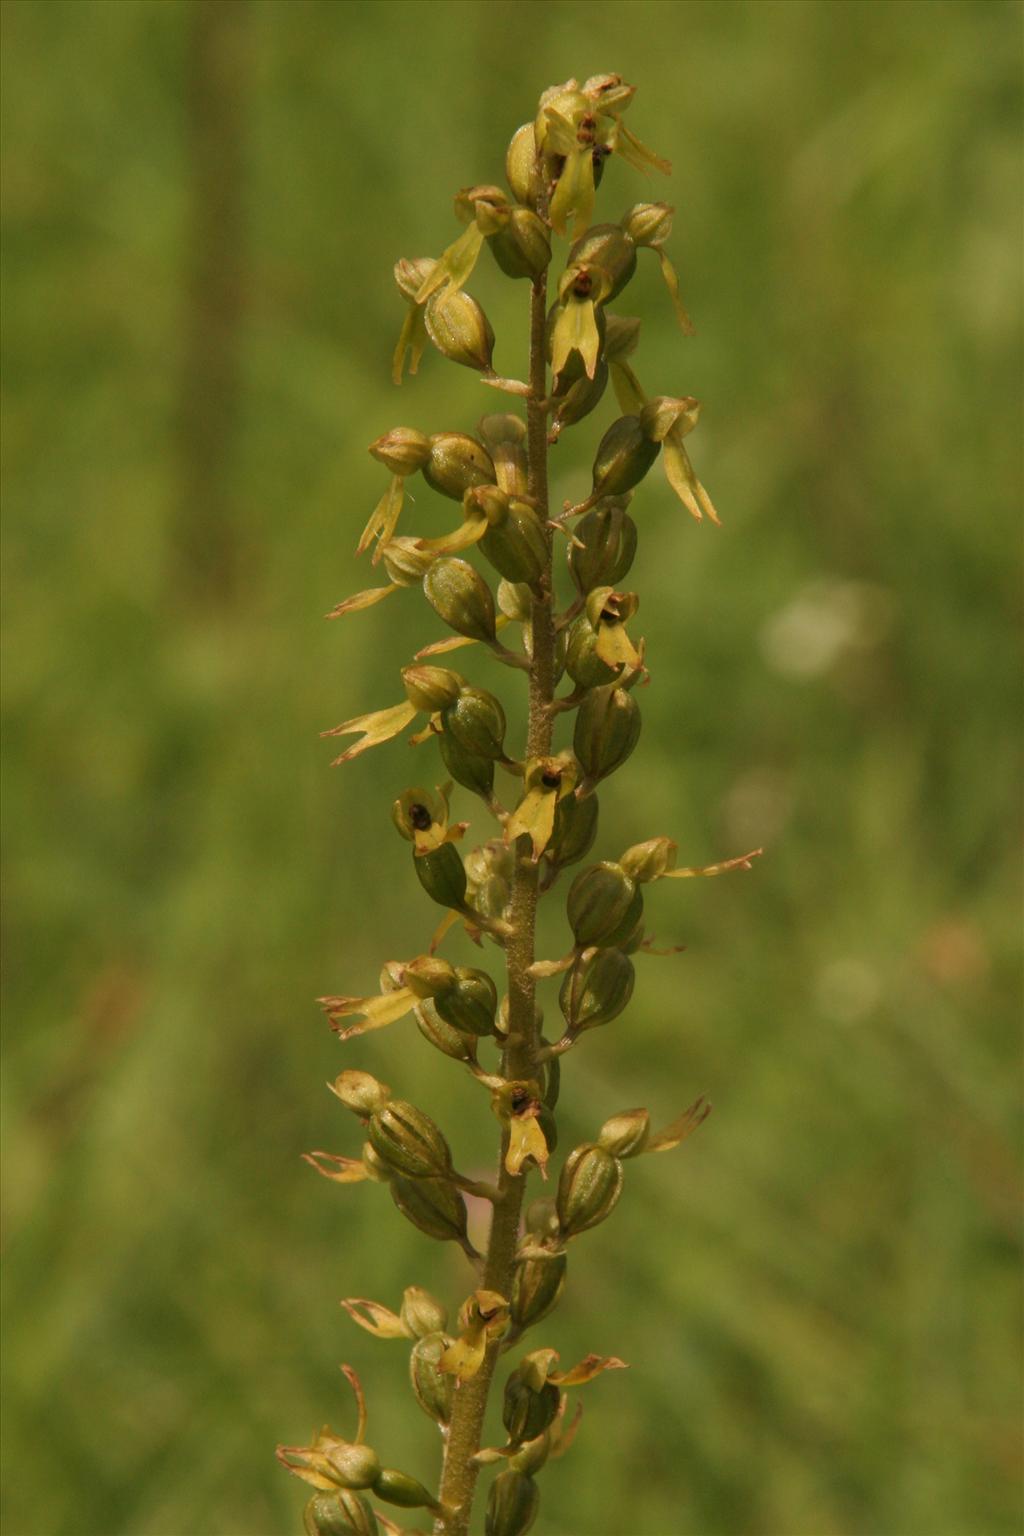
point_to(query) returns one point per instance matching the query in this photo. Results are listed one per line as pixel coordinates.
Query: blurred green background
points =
(819, 1295)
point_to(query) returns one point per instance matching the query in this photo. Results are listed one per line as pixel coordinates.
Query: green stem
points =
(458, 1478)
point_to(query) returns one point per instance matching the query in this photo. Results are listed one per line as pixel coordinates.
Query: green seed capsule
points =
(433, 1388)
(596, 990)
(432, 688)
(624, 455)
(607, 729)
(521, 248)
(575, 830)
(577, 395)
(399, 1488)
(527, 1412)
(603, 902)
(476, 721)
(589, 1187)
(625, 1134)
(408, 1142)
(457, 462)
(607, 535)
(552, 1079)
(441, 1035)
(512, 1504)
(471, 1004)
(461, 597)
(459, 329)
(537, 1287)
(339, 1514)
(522, 170)
(442, 875)
(608, 246)
(516, 543)
(467, 768)
(433, 1206)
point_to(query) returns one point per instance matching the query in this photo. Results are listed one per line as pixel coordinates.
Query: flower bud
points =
(411, 274)
(409, 1142)
(467, 768)
(339, 1514)
(432, 688)
(648, 223)
(488, 870)
(428, 976)
(476, 721)
(522, 169)
(607, 246)
(607, 729)
(461, 597)
(515, 601)
(664, 414)
(610, 94)
(459, 329)
(603, 902)
(354, 1466)
(575, 830)
(650, 860)
(597, 989)
(567, 100)
(471, 1004)
(400, 1488)
(512, 1504)
(528, 1409)
(433, 1206)
(433, 1388)
(625, 1134)
(493, 858)
(521, 247)
(541, 1219)
(623, 457)
(422, 1313)
(505, 437)
(607, 535)
(360, 1092)
(403, 450)
(405, 562)
(537, 1286)
(589, 1187)
(457, 462)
